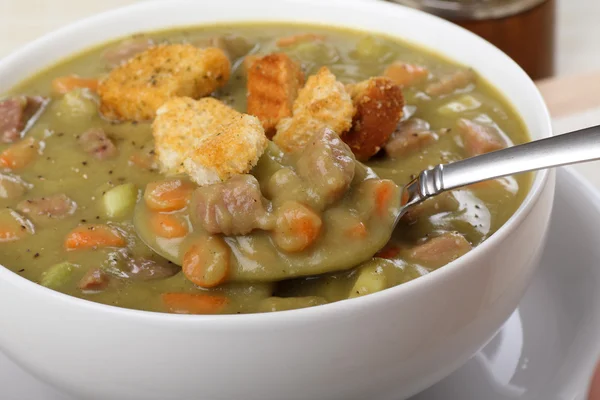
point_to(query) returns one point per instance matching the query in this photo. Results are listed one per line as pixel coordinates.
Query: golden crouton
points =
(322, 103)
(206, 139)
(379, 103)
(137, 88)
(273, 84)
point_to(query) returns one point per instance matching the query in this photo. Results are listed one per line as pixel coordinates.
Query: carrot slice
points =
(65, 84)
(299, 38)
(206, 263)
(297, 226)
(93, 236)
(358, 231)
(169, 195)
(168, 225)
(383, 196)
(190, 303)
(19, 154)
(13, 226)
(388, 252)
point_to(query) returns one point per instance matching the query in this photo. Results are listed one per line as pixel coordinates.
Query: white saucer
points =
(545, 351)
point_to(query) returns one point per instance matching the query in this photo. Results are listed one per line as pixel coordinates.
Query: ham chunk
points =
(410, 136)
(123, 264)
(449, 83)
(273, 84)
(95, 142)
(233, 207)
(479, 139)
(444, 202)
(404, 74)
(440, 250)
(12, 187)
(234, 46)
(42, 209)
(95, 279)
(17, 114)
(327, 165)
(126, 50)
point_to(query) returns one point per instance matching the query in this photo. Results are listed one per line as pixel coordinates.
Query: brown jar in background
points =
(523, 29)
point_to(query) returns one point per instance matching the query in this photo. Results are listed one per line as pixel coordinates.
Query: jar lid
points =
(471, 9)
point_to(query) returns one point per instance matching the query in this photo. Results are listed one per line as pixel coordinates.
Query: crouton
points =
(273, 84)
(137, 88)
(405, 74)
(322, 103)
(206, 139)
(379, 103)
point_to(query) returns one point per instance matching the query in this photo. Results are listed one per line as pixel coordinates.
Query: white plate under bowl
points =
(545, 351)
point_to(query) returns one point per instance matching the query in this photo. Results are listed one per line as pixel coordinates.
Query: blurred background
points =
(576, 26)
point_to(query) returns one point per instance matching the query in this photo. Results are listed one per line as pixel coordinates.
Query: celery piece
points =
(57, 275)
(119, 201)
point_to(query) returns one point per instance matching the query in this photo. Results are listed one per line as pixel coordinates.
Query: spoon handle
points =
(570, 148)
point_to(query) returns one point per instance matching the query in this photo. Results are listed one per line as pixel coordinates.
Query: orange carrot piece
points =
(65, 84)
(358, 231)
(13, 226)
(297, 226)
(404, 74)
(299, 38)
(93, 236)
(389, 251)
(206, 263)
(19, 154)
(383, 196)
(190, 303)
(168, 225)
(168, 195)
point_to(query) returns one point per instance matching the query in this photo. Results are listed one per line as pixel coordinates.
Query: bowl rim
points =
(298, 315)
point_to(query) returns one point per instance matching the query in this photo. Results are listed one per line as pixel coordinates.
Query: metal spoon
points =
(570, 148)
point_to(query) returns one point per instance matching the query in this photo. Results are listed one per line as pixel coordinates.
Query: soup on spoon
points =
(323, 212)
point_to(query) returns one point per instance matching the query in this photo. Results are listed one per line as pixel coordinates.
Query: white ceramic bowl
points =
(388, 345)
